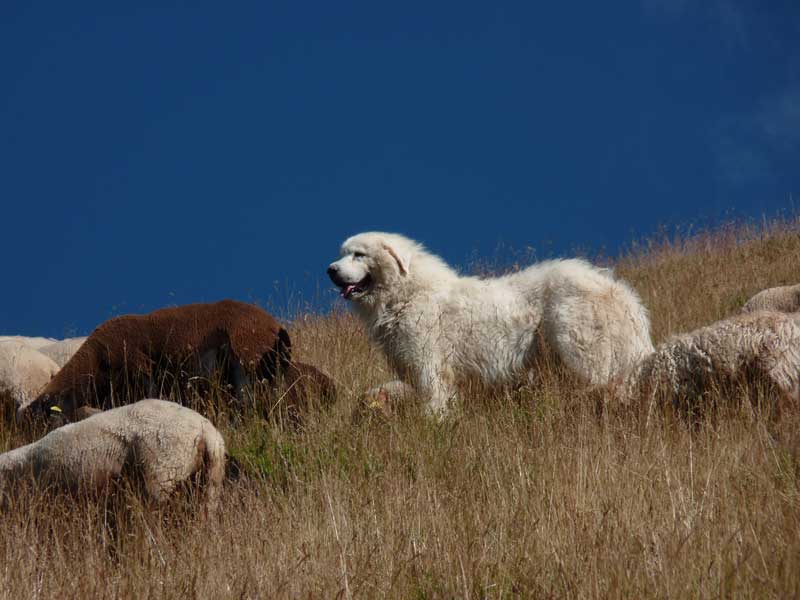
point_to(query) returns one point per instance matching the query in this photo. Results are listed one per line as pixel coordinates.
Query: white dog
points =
(438, 328)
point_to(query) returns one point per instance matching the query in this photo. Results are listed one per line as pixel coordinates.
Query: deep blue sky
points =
(168, 153)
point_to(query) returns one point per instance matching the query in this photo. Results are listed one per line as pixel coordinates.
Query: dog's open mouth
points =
(354, 290)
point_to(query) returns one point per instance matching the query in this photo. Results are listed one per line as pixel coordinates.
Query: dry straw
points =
(535, 494)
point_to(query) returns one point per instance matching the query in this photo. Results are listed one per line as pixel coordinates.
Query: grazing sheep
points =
(23, 372)
(156, 443)
(34, 342)
(303, 386)
(759, 347)
(187, 341)
(62, 350)
(782, 299)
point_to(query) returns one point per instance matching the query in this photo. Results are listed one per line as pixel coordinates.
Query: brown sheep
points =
(782, 299)
(303, 387)
(191, 340)
(158, 444)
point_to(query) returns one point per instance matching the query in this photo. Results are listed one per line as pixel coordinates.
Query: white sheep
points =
(782, 299)
(752, 347)
(24, 371)
(158, 443)
(33, 342)
(62, 350)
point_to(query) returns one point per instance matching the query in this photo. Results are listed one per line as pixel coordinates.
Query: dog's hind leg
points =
(592, 341)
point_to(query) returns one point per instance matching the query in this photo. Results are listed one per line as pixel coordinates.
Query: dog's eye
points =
(358, 255)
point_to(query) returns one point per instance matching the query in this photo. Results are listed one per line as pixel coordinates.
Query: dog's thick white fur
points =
(438, 328)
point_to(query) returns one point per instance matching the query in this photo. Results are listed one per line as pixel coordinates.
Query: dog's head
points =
(371, 262)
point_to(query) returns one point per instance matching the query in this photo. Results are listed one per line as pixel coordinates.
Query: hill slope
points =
(535, 495)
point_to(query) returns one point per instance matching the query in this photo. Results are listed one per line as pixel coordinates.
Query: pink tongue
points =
(348, 290)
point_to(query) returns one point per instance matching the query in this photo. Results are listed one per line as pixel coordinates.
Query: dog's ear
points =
(401, 264)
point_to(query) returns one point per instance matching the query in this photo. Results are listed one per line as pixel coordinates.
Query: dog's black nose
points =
(333, 273)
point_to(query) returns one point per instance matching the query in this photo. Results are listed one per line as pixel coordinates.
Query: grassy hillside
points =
(535, 495)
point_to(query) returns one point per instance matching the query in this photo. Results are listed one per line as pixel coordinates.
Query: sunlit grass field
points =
(537, 494)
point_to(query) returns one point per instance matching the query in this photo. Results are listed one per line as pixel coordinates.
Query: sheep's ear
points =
(401, 264)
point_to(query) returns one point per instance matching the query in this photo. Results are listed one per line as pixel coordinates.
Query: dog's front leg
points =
(436, 384)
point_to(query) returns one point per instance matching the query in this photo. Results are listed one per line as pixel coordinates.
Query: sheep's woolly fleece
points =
(62, 350)
(156, 442)
(759, 346)
(33, 342)
(782, 299)
(24, 371)
(438, 328)
(189, 338)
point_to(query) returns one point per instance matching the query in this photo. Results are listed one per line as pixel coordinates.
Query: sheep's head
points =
(56, 417)
(47, 408)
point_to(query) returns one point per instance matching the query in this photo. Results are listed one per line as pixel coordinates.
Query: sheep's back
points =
(79, 458)
(24, 371)
(781, 299)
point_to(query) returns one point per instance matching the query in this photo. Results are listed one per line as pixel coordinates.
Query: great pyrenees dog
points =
(438, 328)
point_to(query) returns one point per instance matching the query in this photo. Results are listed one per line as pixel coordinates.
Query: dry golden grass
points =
(537, 495)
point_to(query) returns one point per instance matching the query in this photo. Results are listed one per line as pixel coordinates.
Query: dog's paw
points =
(378, 402)
(385, 401)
